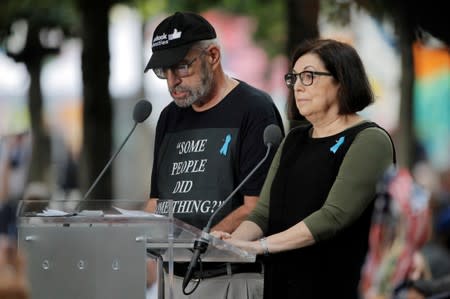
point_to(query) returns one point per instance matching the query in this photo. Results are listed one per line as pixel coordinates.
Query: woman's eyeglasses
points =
(306, 77)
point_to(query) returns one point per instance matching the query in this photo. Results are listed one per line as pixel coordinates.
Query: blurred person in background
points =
(437, 250)
(431, 289)
(434, 262)
(316, 204)
(400, 227)
(13, 282)
(15, 151)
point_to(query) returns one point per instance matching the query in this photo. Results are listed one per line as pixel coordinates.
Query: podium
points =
(101, 253)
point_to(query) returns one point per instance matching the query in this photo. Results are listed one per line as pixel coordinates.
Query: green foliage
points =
(271, 30)
(195, 5)
(148, 9)
(268, 14)
(379, 9)
(42, 13)
(338, 12)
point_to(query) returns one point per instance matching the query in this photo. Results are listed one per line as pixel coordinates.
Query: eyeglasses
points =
(180, 70)
(306, 77)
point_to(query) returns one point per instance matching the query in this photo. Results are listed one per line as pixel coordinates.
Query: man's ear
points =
(214, 55)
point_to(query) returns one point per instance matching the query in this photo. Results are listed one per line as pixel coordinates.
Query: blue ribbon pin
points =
(335, 147)
(226, 144)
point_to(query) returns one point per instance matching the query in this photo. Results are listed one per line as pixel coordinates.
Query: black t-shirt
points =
(200, 157)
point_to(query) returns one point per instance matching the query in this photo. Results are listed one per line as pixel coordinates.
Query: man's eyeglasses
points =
(182, 69)
(306, 77)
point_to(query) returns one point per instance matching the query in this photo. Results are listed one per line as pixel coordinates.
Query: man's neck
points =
(223, 86)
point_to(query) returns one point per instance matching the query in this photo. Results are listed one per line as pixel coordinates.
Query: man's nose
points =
(172, 78)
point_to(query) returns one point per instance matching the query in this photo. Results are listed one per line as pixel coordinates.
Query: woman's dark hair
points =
(344, 63)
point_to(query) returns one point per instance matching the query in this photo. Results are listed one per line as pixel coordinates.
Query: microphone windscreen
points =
(272, 135)
(142, 110)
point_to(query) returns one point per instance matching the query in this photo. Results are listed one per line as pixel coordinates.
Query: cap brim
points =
(167, 57)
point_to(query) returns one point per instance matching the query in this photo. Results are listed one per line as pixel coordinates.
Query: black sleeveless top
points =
(328, 269)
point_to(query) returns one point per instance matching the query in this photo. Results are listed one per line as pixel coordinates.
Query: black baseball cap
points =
(174, 37)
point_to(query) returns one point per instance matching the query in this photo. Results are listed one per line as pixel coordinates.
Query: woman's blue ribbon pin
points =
(335, 147)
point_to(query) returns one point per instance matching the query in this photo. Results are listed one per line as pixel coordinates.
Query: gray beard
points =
(197, 95)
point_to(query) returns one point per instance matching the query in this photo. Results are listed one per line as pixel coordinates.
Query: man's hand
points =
(151, 205)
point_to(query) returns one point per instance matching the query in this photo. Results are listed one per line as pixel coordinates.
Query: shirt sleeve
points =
(260, 214)
(355, 186)
(253, 149)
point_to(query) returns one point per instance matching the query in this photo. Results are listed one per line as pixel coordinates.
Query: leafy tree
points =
(65, 17)
(302, 24)
(43, 26)
(97, 106)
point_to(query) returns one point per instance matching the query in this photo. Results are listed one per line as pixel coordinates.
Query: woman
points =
(316, 204)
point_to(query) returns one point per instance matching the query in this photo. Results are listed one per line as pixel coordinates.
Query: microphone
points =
(141, 111)
(272, 138)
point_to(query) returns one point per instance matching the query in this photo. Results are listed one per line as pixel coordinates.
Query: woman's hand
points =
(249, 246)
(245, 237)
(221, 235)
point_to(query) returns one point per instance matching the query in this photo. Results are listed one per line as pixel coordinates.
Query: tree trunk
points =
(405, 139)
(97, 108)
(302, 17)
(40, 150)
(32, 56)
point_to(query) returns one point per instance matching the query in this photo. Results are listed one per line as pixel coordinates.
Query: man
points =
(207, 141)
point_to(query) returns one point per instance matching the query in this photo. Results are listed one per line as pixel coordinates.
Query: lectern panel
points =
(77, 261)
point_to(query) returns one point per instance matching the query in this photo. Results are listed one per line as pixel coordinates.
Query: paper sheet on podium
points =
(52, 213)
(136, 213)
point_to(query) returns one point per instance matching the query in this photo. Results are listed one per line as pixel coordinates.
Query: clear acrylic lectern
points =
(99, 250)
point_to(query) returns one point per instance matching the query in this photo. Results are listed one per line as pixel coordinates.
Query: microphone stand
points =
(141, 112)
(201, 245)
(107, 165)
